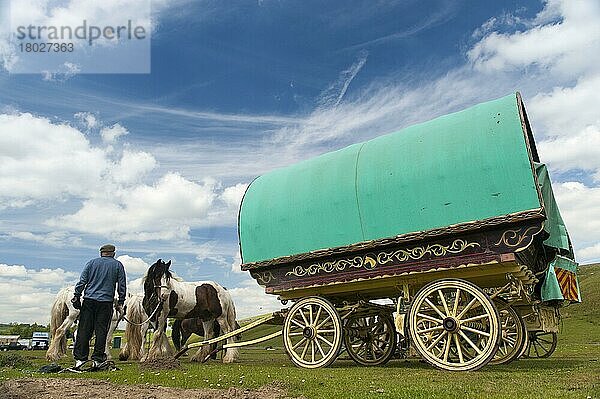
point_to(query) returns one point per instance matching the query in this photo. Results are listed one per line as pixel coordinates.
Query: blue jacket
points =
(99, 277)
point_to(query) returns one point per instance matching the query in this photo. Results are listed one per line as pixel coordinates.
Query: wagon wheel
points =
(312, 333)
(454, 325)
(541, 344)
(513, 337)
(370, 340)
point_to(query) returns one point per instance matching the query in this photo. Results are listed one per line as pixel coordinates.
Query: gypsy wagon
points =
(452, 220)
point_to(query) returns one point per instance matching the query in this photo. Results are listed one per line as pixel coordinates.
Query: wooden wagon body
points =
(463, 197)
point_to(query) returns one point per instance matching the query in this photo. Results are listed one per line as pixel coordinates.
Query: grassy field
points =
(572, 372)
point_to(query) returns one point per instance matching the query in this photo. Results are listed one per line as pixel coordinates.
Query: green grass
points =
(572, 372)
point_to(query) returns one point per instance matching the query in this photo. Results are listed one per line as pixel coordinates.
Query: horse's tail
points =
(133, 332)
(58, 314)
(231, 319)
(176, 334)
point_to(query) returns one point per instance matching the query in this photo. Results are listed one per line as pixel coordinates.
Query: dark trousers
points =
(94, 318)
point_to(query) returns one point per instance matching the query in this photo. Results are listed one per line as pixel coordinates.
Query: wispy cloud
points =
(435, 18)
(333, 95)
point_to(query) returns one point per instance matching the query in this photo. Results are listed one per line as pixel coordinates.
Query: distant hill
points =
(589, 284)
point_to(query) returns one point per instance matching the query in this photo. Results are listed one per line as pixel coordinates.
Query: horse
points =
(181, 330)
(63, 315)
(135, 329)
(206, 300)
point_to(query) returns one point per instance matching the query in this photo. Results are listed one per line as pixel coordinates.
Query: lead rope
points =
(160, 302)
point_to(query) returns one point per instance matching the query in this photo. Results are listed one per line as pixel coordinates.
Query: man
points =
(97, 282)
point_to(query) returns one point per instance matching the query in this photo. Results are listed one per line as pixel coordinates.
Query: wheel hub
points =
(450, 324)
(309, 332)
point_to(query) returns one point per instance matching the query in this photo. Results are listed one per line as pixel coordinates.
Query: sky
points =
(157, 163)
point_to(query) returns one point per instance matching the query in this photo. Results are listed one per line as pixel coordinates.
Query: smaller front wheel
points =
(370, 340)
(541, 344)
(514, 334)
(312, 333)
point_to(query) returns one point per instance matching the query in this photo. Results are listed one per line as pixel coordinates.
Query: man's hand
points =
(119, 308)
(76, 301)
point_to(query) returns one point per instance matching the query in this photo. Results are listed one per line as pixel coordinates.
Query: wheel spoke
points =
(462, 334)
(436, 328)
(310, 314)
(438, 339)
(447, 347)
(299, 343)
(467, 308)
(318, 314)
(312, 351)
(306, 323)
(329, 331)
(458, 348)
(456, 300)
(443, 300)
(319, 347)
(475, 318)
(473, 330)
(435, 308)
(430, 318)
(298, 324)
(323, 322)
(305, 349)
(324, 340)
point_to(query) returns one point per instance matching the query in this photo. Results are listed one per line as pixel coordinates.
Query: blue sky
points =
(157, 163)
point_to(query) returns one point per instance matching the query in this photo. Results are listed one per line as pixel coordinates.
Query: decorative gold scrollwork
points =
(512, 238)
(369, 263)
(416, 253)
(357, 262)
(264, 278)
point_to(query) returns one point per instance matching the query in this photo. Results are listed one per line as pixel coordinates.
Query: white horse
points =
(63, 315)
(206, 300)
(135, 329)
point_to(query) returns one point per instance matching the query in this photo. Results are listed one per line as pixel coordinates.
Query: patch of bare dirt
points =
(161, 363)
(67, 388)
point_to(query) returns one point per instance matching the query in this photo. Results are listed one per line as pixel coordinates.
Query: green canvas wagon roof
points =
(467, 166)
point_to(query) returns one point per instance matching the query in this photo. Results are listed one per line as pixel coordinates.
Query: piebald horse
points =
(63, 316)
(206, 300)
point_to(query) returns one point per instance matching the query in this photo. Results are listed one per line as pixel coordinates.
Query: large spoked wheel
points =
(513, 336)
(454, 325)
(312, 333)
(370, 340)
(541, 344)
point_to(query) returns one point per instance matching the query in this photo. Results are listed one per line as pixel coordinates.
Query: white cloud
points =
(133, 266)
(232, 196)
(333, 95)
(88, 119)
(136, 286)
(133, 166)
(577, 151)
(568, 46)
(112, 133)
(250, 300)
(564, 111)
(53, 238)
(236, 265)
(580, 207)
(165, 210)
(43, 160)
(33, 291)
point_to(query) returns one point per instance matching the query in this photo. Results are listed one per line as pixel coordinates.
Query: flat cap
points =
(107, 248)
